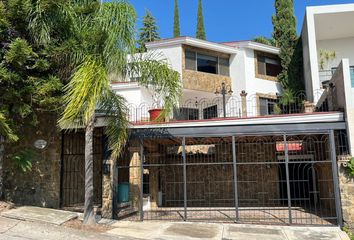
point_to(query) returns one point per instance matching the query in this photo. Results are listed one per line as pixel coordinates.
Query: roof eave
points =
(192, 42)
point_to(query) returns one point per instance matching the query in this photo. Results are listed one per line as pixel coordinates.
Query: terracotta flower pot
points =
(155, 113)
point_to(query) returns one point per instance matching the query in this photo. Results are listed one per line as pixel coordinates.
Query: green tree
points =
(176, 24)
(5, 133)
(200, 22)
(98, 39)
(148, 32)
(29, 81)
(285, 38)
(265, 40)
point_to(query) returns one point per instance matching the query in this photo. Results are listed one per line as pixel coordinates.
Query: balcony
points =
(233, 107)
(326, 76)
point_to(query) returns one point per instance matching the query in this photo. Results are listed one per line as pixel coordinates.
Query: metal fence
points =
(231, 107)
(268, 179)
(73, 168)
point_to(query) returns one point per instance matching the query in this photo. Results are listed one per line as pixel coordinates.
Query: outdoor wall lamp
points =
(224, 90)
(40, 144)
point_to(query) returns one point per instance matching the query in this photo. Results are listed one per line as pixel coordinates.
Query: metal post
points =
(287, 178)
(224, 100)
(141, 208)
(184, 177)
(335, 178)
(235, 178)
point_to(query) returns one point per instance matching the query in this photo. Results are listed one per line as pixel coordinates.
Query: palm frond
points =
(156, 73)
(84, 92)
(117, 20)
(50, 17)
(115, 111)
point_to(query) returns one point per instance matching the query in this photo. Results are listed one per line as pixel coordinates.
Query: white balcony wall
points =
(343, 47)
(173, 55)
(344, 97)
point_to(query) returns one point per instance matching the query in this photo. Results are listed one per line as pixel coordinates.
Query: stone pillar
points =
(346, 185)
(109, 186)
(243, 95)
(135, 177)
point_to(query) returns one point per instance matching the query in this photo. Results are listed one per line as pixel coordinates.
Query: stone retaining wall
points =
(41, 186)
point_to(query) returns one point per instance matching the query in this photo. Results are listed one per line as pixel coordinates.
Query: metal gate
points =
(73, 168)
(270, 179)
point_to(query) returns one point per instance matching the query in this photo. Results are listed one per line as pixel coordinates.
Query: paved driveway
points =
(14, 229)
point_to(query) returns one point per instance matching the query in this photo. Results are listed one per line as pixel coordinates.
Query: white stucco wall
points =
(343, 47)
(173, 55)
(349, 109)
(134, 94)
(312, 80)
(256, 85)
(238, 72)
(307, 60)
(242, 74)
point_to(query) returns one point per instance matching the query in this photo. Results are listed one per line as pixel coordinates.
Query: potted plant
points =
(156, 113)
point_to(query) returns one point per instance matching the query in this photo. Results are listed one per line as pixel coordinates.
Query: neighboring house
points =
(330, 28)
(249, 155)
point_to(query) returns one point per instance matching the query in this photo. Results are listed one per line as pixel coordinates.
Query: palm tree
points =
(287, 100)
(98, 42)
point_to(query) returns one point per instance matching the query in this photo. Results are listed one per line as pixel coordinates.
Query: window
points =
(210, 112)
(206, 63)
(191, 62)
(352, 75)
(268, 66)
(224, 66)
(267, 106)
(186, 114)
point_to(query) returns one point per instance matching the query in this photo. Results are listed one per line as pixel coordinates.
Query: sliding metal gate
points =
(274, 179)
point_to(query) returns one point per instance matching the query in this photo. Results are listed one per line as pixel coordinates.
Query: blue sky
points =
(225, 20)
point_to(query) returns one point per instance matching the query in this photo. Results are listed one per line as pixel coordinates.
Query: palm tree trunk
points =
(89, 215)
(1, 166)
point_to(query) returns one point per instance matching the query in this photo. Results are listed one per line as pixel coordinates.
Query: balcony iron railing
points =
(236, 107)
(326, 76)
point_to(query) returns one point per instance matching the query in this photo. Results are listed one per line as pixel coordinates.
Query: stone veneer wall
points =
(201, 81)
(41, 186)
(346, 185)
(212, 185)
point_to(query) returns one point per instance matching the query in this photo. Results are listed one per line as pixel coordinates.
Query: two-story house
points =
(234, 149)
(231, 156)
(243, 67)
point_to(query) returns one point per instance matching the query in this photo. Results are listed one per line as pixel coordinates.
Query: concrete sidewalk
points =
(42, 223)
(46, 215)
(12, 229)
(193, 231)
